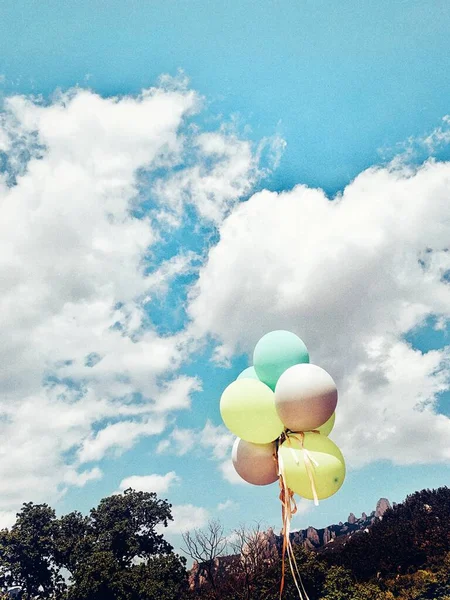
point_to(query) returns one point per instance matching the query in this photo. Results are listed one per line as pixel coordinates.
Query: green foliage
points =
(312, 570)
(370, 591)
(73, 540)
(162, 578)
(338, 584)
(115, 553)
(101, 551)
(410, 536)
(100, 577)
(124, 524)
(27, 551)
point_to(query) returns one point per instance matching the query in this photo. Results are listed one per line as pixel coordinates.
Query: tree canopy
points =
(115, 552)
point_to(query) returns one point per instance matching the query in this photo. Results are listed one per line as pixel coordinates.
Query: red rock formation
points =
(382, 505)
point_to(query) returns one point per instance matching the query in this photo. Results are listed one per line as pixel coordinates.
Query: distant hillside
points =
(329, 539)
(400, 552)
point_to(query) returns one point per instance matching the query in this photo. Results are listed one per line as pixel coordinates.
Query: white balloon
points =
(255, 463)
(305, 397)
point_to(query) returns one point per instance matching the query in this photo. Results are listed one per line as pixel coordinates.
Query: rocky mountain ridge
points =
(315, 539)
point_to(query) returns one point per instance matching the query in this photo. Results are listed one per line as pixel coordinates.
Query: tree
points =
(117, 552)
(74, 540)
(312, 571)
(338, 584)
(27, 553)
(160, 578)
(257, 552)
(125, 524)
(205, 546)
(370, 591)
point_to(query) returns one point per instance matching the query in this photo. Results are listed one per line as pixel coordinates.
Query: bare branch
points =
(206, 544)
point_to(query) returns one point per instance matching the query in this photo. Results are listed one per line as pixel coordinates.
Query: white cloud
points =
(176, 395)
(218, 439)
(150, 483)
(415, 147)
(227, 505)
(303, 507)
(7, 519)
(80, 479)
(211, 188)
(118, 436)
(185, 518)
(179, 442)
(84, 373)
(351, 277)
(213, 442)
(438, 137)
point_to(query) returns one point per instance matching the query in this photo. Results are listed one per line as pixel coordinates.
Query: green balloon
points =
(275, 352)
(329, 473)
(248, 410)
(248, 373)
(327, 427)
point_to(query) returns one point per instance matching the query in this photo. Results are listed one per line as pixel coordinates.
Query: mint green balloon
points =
(275, 352)
(248, 373)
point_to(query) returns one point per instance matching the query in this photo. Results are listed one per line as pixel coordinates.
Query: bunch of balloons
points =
(282, 409)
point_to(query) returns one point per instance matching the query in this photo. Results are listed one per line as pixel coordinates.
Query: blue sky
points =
(338, 82)
(292, 94)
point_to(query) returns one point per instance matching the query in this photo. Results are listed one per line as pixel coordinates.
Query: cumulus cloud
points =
(213, 442)
(118, 436)
(92, 186)
(179, 442)
(215, 439)
(352, 277)
(211, 189)
(81, 478)
(218, 439)
(186, 517)
(150, 483)
(84, 372)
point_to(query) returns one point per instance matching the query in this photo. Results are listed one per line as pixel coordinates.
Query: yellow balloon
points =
(329, 473)
(248, 410)
(327, 427)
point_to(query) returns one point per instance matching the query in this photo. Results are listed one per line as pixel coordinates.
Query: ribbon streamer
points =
(310, 462)
(289, 507)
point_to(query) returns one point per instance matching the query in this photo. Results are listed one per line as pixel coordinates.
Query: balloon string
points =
(288, 508)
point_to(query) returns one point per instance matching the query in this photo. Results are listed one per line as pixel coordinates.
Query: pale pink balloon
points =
(305, 397)
(255, 463)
